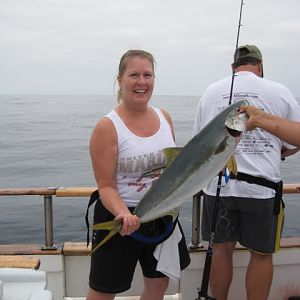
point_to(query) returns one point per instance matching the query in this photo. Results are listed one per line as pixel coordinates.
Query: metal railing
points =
(48, 193)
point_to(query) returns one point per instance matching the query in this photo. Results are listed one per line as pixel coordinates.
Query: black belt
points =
(276, 186)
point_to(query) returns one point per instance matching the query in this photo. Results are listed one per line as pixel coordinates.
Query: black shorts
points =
(114, 263)
(249, 221)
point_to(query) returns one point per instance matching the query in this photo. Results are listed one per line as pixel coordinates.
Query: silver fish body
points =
(201, 159)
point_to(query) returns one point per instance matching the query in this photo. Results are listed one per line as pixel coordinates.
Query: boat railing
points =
(48, 193)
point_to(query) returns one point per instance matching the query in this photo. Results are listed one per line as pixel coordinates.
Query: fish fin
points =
(171, 153)
(154, 170)
(232, 165)
(174, 213)
(112, 226)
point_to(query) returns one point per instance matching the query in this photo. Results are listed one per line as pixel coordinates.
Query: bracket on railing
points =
(196, 212)
(48, 218)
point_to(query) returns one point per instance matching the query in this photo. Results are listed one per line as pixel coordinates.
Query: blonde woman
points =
(124, 145)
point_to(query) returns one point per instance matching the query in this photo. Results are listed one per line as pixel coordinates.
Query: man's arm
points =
(286, 130)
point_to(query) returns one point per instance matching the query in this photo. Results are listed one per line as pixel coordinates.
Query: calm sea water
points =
(44, 142)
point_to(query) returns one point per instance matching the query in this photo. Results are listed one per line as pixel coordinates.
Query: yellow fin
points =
(171, 154)
(174, 213)
(112, 226)
(232, 165)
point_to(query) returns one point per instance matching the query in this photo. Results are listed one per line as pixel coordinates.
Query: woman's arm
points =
(286, 130)
(103, 152)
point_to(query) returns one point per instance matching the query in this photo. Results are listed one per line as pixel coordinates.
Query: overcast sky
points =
(74, 46)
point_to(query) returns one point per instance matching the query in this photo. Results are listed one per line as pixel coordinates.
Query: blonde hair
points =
(123, 64)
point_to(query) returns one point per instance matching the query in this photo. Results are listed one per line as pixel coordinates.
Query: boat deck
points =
(67, 266)
(67, 269)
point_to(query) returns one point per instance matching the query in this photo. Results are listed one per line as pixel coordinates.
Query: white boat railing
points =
(48, 193)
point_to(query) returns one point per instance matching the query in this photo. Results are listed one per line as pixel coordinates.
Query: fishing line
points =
(236, 46)
(202, 292)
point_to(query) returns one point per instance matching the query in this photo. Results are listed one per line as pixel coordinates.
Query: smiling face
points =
(137, 80)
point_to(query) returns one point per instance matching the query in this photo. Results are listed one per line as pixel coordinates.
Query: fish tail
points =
(112, 226)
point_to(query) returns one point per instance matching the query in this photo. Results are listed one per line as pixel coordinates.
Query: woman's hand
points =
(130, 223)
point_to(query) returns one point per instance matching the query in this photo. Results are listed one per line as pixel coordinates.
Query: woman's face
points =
(137, 81)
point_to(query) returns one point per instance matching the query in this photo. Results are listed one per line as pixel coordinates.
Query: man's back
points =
(259, 152)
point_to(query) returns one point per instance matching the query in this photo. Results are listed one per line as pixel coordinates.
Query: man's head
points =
(248, 55)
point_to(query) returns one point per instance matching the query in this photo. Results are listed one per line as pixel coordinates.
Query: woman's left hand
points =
(130, 223)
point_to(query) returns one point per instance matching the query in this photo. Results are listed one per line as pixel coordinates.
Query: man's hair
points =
(245, 61)
(246, 55)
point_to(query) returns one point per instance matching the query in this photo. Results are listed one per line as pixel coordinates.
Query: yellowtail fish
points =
(189, 169)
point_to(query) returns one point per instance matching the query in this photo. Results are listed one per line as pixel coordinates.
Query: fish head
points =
(236, 122)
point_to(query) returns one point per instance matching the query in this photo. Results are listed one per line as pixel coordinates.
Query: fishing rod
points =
(202, 292)
(236, 46)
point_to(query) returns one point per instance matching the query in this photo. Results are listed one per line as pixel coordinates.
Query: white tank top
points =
(136, 155)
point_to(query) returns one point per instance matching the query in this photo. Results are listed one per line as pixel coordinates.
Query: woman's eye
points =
(148, 75)
(136, 75)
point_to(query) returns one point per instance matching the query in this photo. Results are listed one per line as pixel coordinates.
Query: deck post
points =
(195, 243)
(48, 217)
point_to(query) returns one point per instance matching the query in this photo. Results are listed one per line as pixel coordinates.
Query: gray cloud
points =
(74, 46)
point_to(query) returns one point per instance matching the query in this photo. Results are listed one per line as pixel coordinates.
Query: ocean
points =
(44, 142)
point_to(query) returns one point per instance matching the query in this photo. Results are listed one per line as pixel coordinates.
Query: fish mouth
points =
(236, 123)
(233, 132)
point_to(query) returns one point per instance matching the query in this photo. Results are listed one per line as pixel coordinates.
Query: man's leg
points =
(259, 276)
(221, 269)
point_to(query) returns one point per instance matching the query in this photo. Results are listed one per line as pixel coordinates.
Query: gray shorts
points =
(249, 221)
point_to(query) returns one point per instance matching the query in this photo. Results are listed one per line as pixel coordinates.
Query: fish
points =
(189, 169)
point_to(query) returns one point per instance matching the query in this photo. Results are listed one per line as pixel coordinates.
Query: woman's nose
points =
(141, 79)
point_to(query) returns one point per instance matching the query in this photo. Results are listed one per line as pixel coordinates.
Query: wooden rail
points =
(291, 188)
(288, 188)
(48, 193)
(27, 191)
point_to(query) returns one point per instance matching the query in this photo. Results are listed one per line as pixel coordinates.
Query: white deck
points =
(67, 274)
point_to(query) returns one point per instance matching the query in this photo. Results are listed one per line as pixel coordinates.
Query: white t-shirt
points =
(259, 152)
(136, 155)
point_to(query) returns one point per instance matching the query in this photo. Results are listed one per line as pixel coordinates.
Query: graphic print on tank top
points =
(150, 166)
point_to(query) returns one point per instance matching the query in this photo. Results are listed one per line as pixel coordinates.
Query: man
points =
(249, 213)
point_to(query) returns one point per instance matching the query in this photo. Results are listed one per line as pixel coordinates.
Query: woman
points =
(124, 144)
(286, 130)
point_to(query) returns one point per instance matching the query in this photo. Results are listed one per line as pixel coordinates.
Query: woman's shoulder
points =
(161, 111)
(166, 115)
(104, 126)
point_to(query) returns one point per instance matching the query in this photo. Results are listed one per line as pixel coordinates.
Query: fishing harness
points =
(276, 186)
